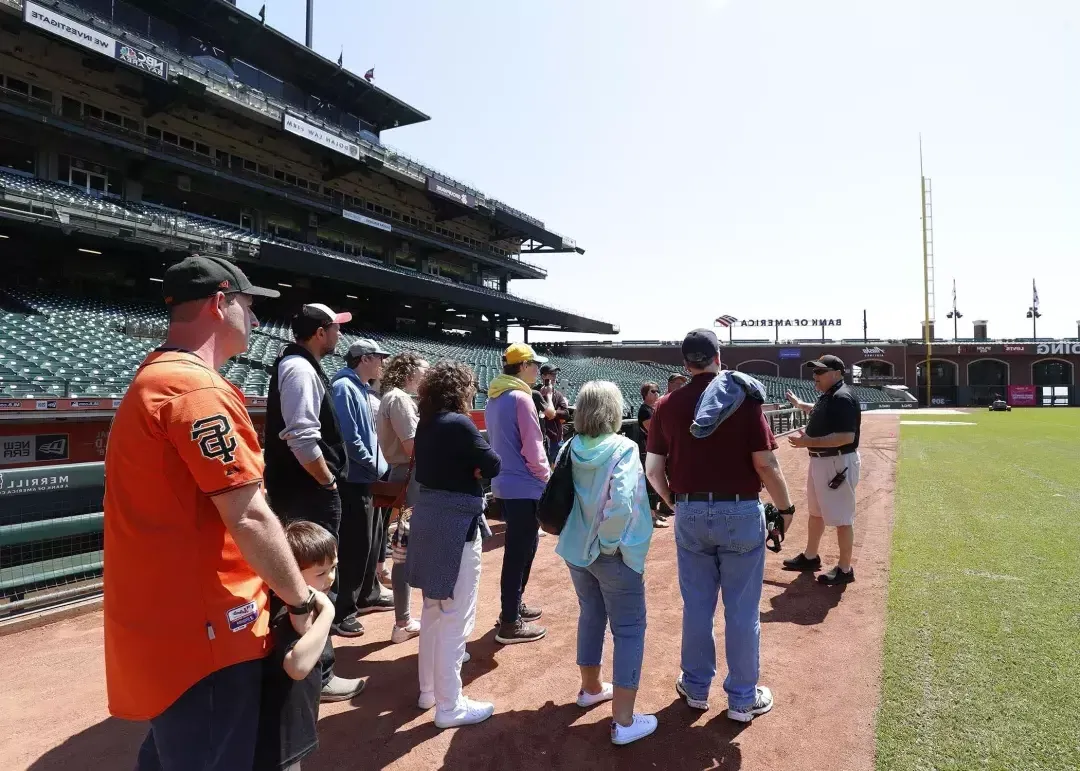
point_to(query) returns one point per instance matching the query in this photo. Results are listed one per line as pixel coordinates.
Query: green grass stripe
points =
(982, 641)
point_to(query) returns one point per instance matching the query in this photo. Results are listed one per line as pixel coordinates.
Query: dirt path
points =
(821, 655)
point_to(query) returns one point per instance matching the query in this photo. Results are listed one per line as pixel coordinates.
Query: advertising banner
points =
(371, 223)
(1022, 396)
(297, 125)
(438, 187)
(141, 60)
(790, 353)
(73, 31)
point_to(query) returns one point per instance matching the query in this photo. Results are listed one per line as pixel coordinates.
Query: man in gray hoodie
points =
(362, 532)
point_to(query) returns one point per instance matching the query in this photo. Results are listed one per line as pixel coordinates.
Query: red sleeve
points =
(657, 443)
(759, 435)
(212, 432)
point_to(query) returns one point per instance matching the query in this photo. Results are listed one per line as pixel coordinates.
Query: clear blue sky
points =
(752, 157)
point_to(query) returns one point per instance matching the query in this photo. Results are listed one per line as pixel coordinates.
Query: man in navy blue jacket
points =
(361, 542)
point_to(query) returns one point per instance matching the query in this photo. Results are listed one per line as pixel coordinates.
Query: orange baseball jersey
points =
(181, 602)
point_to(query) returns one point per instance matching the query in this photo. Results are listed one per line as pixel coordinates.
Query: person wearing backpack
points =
(604, 542)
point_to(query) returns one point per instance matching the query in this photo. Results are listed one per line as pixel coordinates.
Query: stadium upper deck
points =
(198, 110)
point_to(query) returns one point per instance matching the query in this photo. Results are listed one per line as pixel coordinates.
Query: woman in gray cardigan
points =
(443, 558)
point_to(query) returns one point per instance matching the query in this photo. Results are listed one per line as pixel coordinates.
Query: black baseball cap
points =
(677, 376)
(700, 345)
(315, 316)
(196, 277)
(828, 361)
(548, 369)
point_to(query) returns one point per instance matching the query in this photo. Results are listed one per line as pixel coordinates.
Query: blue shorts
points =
(213, 726)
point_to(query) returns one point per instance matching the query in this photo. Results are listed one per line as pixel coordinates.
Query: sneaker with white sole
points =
(700, 704)
(519, 632)
(348, 627)
(426, 701)
(762, 704)
(469, 713)
(407, 632)
(592, 699)
(642, 726)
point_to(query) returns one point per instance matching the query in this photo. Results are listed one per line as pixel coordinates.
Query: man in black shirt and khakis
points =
(832, 437)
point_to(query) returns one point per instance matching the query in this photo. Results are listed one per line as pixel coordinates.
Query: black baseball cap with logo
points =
(700, 345)
(197, 277)
(828, 361)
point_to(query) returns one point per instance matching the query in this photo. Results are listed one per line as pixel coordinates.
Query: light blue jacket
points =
(611, 506)
(723, 395)
(353, 408)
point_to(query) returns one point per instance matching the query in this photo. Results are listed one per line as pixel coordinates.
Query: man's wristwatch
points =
(307, 606)
(329, 485)
(789, 511)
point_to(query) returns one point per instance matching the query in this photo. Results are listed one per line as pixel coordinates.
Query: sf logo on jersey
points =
(214, 435)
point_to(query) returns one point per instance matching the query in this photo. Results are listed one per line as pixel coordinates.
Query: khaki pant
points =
(835, 507)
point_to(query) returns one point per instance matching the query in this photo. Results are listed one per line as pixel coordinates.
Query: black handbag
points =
(557, 500)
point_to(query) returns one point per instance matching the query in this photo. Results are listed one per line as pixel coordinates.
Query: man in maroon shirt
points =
(714, 484)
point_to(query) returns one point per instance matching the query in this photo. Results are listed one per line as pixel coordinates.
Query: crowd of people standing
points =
(275, 550)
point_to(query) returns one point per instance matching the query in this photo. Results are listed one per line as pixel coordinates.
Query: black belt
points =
(829, 453)
(711, 497)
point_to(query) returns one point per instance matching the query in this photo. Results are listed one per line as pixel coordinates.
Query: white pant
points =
(835, 507)
(445, 625)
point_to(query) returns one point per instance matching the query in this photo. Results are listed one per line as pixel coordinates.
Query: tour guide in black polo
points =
(832, 436)
(714, 484)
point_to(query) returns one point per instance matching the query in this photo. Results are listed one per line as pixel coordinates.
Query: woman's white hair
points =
(598, 409)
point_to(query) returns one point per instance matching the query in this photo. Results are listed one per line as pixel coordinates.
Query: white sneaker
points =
(762, 704)
(592, 699)
(407, 632)
(692, 703)
(469, 713)
(642, 726)
(426, 701)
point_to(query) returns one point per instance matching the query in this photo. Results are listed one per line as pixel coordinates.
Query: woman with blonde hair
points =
(604, 543)
(396, 427)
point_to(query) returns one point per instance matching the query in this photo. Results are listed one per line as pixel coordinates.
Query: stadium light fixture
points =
(157, 280)
(352, 297)
(89, 251)
(3, 236)
(287, 286)
(408, 306)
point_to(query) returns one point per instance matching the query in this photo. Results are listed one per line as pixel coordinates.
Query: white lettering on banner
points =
(351, 215)
(69, 29)
(1060, 349)
(1015, 348)
(16, 486)
(300, 127)
(449, 192)
(875, 351)
(789, 323)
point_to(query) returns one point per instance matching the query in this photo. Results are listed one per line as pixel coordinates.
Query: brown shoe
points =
(519, 632)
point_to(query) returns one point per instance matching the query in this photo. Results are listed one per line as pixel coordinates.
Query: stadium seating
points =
(78, 347)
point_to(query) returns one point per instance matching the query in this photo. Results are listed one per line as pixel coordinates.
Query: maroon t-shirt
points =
(721, 462)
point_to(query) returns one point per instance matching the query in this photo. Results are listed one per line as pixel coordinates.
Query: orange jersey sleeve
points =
(213, 434)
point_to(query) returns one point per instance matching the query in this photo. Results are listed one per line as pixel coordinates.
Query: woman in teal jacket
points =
(604, 542)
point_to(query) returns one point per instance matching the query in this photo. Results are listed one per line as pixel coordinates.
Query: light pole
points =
(1033, 311)
(954, 314)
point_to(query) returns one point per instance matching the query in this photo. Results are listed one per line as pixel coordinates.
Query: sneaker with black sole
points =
(381, 605)
(349, 627)
(519, 632)
(341, 689)
(837, 577)
(762, 704)
(698, 704)
(802, 563)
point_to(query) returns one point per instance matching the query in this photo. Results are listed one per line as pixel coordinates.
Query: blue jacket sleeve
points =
(620, 502)
(347, 406)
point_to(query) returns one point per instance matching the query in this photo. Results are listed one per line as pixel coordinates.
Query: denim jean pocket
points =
(746, 532)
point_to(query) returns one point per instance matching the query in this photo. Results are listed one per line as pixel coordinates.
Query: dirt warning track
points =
(821, 655)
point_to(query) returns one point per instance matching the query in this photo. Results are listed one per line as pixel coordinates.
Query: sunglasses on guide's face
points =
(820, 371)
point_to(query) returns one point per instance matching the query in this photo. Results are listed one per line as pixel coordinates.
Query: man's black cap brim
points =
(259, 291)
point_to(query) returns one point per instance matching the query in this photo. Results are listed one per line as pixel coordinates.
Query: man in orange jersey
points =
(190, 542)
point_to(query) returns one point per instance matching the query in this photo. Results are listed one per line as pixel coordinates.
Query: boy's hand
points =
(323, 604)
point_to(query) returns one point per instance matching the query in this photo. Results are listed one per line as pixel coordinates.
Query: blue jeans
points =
(609, 590)
(721, 548)
(212, 727)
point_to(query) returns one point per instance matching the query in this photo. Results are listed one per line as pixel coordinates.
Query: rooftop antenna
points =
(310, 22)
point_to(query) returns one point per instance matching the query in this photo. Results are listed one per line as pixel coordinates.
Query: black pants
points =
(522, 538)
(212, 726)
(360, 552)
(323, 507)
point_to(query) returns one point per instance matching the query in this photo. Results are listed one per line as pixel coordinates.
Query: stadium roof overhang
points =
(242, 35)
(286, 258)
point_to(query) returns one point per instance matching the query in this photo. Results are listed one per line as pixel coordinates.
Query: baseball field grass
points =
(982, 639)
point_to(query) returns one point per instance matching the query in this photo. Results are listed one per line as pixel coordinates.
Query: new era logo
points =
(224, 284)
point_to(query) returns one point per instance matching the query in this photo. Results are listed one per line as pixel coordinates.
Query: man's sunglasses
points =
(821, 371)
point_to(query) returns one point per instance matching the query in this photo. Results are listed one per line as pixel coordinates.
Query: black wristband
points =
(789, 511)
(306, 607)
(329, 485)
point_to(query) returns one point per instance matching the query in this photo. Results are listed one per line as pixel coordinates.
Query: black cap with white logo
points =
(196, 277)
